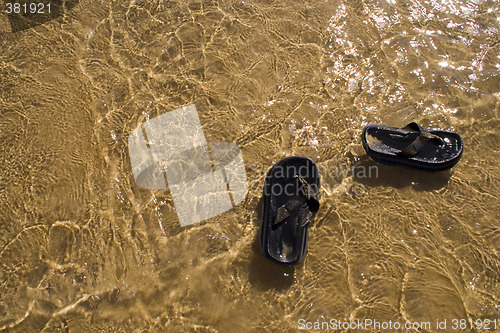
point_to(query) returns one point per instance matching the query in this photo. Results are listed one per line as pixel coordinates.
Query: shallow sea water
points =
(83, 248)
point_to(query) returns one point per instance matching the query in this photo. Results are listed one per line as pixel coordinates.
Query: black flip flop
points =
(413, 146)
(290, 201)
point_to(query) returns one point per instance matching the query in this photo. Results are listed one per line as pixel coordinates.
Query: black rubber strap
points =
(425, 136)
(307, 195)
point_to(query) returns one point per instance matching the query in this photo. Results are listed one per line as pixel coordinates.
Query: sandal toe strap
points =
(307, 196)
(416, 146)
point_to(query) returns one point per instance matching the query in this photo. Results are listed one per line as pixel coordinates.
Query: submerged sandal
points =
(413, 146)
(290, 201)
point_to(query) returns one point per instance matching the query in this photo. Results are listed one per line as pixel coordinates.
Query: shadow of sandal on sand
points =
(264, 274)
(370, 173)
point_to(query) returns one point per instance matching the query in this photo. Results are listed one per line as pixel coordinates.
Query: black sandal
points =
(413, 146)
(290, 201)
